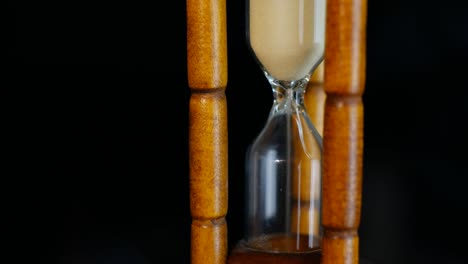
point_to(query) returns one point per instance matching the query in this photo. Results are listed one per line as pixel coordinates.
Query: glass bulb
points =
(286, 37)
(284, 163)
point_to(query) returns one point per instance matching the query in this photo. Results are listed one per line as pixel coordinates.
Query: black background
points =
(96, 121)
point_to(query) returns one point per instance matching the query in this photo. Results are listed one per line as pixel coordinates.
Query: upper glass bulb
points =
(287, 37)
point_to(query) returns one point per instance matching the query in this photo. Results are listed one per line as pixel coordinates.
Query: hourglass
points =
(284, 163)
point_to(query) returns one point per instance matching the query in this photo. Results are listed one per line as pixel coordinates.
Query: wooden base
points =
(243, 255)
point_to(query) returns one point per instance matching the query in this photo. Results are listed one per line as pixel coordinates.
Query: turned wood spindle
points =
(343, 129)
(208, 148)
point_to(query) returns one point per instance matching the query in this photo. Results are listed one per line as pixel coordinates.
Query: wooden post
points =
(207, 77)
(343, 129)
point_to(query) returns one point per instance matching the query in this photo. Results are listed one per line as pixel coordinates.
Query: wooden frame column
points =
(207, 78)
(343, 129)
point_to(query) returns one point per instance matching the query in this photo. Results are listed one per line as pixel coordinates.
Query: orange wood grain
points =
(340, 247)
(206, 44)
(343, 170)
(206, 249)
(208, 155)
(208, 142)
(343, 130)
(345, 49)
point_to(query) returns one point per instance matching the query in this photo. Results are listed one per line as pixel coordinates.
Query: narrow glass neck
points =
(288, 96)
